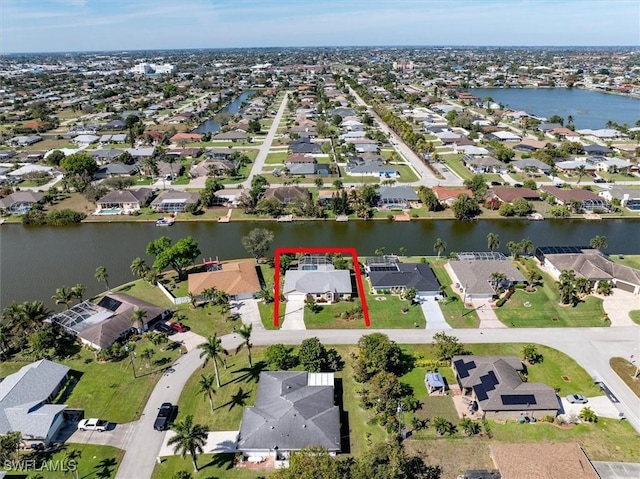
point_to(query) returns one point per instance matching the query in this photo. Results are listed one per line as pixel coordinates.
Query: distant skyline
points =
(31, 26)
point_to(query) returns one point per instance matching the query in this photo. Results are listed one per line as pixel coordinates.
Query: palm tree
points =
(78, 291)
(581, 171)
(147, 354)
(206, 388)
(137, 319)
(4, 340)
(512, 246)
(525, 246)
(440, 246)
(493, 241)
(139, 267)
(213, 350)
(33, 313)
(102, 276)
(190, 438)
(64, 296)
(71, 456)
(193, 299)
(245, 333)
(496, 278)
(599, 242)
(570, 120)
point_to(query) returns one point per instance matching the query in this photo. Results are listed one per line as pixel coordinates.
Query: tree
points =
(493, 241)
(64, 296)
(42, 343)
(257, 242)
(313, 462)
(78, 291)
(376, 352)
(71, 457)
(206, 388)
(588, 415)
(465, 208)
(531, 354)
(410, 295)
(478, 184)
(315, 357)
(254, 126)
(447, 346)
(469, 426)
(9, 444)
(208, 194)
(79, 164)
(55, 157)
(599, 242)
(583, 285)
(556, 119)
(566, 287)
(137, 319)
(179, 256)
(390, 461)
(383, 393)
(513, 248)
(139, 267)
(244, 332)
(604, 288)
(102, 276)
(279, 357)
(496, 278)
(442, 426)
(131, 122)
(440, 246)
(189, 438)
(212, 350)
(525, 246)
(147, 354)
(581, 170)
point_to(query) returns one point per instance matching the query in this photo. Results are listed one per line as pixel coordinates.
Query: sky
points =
(106, 25)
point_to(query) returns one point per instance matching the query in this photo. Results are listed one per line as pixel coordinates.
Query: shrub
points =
(500, 302)
(431, 363)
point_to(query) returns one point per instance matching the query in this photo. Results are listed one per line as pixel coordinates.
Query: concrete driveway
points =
(294, 315)
(433, 314)
(601, 405)
(117, 436)
(249, 312)
(188, 339)
(488, 318)
(618, 305)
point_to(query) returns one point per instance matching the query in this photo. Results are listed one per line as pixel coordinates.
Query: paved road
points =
(258, 164)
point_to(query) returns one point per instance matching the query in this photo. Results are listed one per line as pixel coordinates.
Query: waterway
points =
(35, 261)
(213, 126)
(590, 109)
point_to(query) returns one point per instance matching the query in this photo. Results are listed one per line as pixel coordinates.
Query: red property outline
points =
(356, 268)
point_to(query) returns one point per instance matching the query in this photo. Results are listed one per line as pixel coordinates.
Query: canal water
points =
(34, 261)
(590, 109)
(213, 126)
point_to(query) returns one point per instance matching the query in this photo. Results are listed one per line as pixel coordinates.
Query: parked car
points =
(599, 180)
(577, 399)
(164, 328)
(93, 424)
(517, 185)
(163, 419)
(177, 326)
(496, 183)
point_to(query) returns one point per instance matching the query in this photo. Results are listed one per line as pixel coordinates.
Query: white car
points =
(93, 424)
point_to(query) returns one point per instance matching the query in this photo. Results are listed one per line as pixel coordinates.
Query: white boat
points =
(165, 222)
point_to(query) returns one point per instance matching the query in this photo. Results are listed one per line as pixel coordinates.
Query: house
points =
(115, 125)
(212, 168)
(570, 166)
(219, 153)
(115, 169)
(563, 132)
(25, 401)
(238, 279)
(447, 195)
(610, 164)
(185, 137)
(20, 202)
(503, 136)
(288, 194)
(85, 140)
(387, 273)
(28, 169)
(304, 146)
(292, 410)
(629, 197)
(588, 263)
(542, 460)
(529, 145)
(507, 194)
(318, 278)
(234, 135)
(101, 324)
(483, 164)
(126, 201)
(172, 201)
(398, 197)
(587, 200)
(596, 149)
(545, 127)
(530, 164)
(471, 273)
(602, 134)
(24, 140)
(471, 150)
(494, 383)
(359, 166)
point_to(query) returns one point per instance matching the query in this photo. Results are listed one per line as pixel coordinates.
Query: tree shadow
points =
(74, 378)
(248, 374)
(221, 461)
(238, 399)
(345, 440)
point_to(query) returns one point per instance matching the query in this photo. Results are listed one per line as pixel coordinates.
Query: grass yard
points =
(75, 202)
(635, 316)
(452, 160)
(212, 466)
(94, 461)
(628, 260)
(627, 372)
(327, 318)
(276, 158)
(542, 309)
(453, 309)
(386, 313)
(406, 174)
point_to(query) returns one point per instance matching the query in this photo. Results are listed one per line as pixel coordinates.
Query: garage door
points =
(625, 286)
(296, 296)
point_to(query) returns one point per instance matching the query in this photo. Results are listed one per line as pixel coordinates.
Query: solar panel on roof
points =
(110, 303)
(518, 399)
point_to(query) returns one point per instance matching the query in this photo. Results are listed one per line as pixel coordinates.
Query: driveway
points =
(487, 315)
(119, 435)
(294, 315)
(217, 442)
(249, 313)
(617, 470)
(601, 405)
(433, 314)
(618, 305)
(188, 339)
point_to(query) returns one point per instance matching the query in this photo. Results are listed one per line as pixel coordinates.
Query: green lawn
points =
(212, 466)
(628, 372)
(542, 309)
(276, 158)
(406, 174)
(453, 161)
(628, 260)
(635, 316)
(327, 317)
(94, 461)
(385, 311)
(453, 309)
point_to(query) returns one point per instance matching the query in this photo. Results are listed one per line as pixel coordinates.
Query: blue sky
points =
(88, 25)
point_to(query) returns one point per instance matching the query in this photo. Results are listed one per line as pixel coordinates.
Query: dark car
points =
(163, 419)
(164, 328)
(599, 180)
(518, 185)
(177, 326)
(496, 183)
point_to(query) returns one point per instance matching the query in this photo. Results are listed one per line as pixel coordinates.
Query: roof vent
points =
(304, 425)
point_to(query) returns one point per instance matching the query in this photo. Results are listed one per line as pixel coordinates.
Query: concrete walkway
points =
(617, 470)
(294, 315)
(618, 305)
(433, 314)
(488, 318)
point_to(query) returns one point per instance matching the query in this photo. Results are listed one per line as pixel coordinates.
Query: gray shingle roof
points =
(289, 415)
(316, 282)
(408, 275)
(474, 274)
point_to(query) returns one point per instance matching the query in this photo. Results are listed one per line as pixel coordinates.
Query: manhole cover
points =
(565, 379)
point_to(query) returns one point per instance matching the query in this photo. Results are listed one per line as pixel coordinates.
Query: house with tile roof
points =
(25, 401)
(293, 410)
(494, 383)
(238, 279)
(127, 201)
